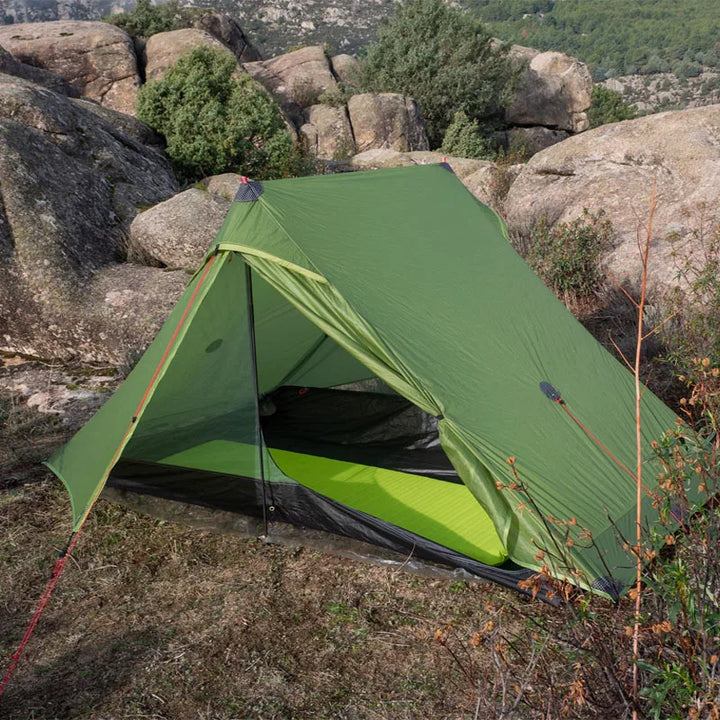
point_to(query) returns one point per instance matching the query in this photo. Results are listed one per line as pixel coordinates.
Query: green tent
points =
(402, 279)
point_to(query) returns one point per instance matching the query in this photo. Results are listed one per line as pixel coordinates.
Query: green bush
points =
(608, 106)
(464, 138)
(305, 93)
(146, 19)
(693, 333)
(680, 665)
(335, 97)
(444, 58)
(216, 120)
(567, 256)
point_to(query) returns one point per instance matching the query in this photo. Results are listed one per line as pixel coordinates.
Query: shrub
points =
(693, 334)
(567, 256)
(335, 97)
(608, 106)
(215, 120)
(146, 19)
(464, 138)
(680, 665)
(444, 58)
(305, 93)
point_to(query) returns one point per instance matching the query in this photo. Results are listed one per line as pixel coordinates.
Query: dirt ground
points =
(158, 620)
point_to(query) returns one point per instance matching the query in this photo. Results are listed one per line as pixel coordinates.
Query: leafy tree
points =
(444, 58)
(146, 19)
(464, 138)
(216, 120)
(608, 106)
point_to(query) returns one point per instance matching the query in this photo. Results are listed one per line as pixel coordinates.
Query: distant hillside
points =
(19, 11)
(275, 26)
(664, 91)
(616, 37)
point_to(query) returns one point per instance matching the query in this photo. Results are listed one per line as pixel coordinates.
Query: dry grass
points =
(155, 620)
(26, 438)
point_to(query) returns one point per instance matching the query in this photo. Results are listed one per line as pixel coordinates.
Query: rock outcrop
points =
(10, 66)
(128, 124)
(97, 58)
(554, 92)
(481, 177)
(296, 80)
(531, 140)
(386, 120)
(225, 185)
(551, 104)
(227, 30)
(178, 232)
(70, 183)
(346, 69)
(163, 50)
(326, 132)
(613, 168)
(329, 129)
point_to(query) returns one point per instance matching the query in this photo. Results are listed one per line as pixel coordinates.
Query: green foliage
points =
(444, 58)
(464, 138)
(216, 122)
(305, 93)
(681, 673)
(615, 36)
(567, 256)
(692, 337)
(608, 106)
(146, 19)
(335, 97)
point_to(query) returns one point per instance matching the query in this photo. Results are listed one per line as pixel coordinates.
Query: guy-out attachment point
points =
(551, 393)
(249, 190)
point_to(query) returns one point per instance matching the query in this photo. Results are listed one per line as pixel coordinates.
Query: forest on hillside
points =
(616, 37)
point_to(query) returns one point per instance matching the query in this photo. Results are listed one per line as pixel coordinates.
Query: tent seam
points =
(268, 208)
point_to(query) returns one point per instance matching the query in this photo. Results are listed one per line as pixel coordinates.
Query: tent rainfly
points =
(400, 276)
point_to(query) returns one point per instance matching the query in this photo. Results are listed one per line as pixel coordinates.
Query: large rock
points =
(10, 66)
(531, 140)
(225, 185)
(327, 133)
(111, 318)
(96, 57)
(613, 168)
(555, 92)
(481, 177)
(178, 232)
(230, 34)
(164, 49)
(347, 69)
(131, 126)
(519, 53)
(70, 183)
(295, 79)
(378, 158)
(127, 304)
(387, 120)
